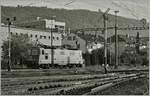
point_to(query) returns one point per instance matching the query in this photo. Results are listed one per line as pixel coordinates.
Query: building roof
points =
(39, 23)
(33, 29)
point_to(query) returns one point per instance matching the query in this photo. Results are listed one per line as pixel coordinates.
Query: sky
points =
(136, 9)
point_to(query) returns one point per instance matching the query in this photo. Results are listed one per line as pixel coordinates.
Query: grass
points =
(133, 87)
(48, 72)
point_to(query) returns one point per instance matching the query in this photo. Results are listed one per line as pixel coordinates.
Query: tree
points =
(143, 21)
(19, 50)
(97, 57)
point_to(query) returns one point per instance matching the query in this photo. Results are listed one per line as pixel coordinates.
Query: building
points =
(54, 24)
(44, 24)
(143, 32)
(84, 42)
(94, 46)
(35, 35)
(74, 41)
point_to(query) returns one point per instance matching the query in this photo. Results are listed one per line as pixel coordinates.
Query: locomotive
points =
(62, 58)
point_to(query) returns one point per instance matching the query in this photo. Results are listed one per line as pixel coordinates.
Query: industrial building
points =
(35, 35)
(74, 41)
(41, 23)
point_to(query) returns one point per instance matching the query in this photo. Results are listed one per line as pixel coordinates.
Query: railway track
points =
(71, 85)
(47, 79)
(38, 83)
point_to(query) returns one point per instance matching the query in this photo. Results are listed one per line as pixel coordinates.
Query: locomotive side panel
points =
(62, 57)
(76, 58)
(59, 56)
(44, 57)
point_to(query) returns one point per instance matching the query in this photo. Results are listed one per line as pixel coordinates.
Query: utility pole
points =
(52, 53)
(105, 16)
(9, 43)
(110, 51)
(116, 41)
(0, 42)
(137, 43)
(68, 30)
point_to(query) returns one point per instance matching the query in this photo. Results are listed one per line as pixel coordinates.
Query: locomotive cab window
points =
(46, 57)
(42, 52)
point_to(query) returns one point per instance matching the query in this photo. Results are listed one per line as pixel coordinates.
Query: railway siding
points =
(66, 85)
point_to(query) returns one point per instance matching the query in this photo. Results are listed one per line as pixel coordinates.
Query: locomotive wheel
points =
(64, 66)
(60, 66)
(74, 66)
(56, 66)
(70, 66)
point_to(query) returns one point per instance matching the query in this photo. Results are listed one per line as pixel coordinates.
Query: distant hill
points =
(75, 19)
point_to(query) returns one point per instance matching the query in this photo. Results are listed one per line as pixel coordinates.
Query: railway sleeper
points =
(76, 90)
(108, 85)
(64, 85)
(47, 87)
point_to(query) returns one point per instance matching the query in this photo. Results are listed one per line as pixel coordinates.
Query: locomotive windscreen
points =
(34, 52)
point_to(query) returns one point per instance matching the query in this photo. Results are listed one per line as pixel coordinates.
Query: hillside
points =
(74, 19)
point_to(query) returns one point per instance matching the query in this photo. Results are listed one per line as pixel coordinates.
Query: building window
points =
(46, 57)
(40, 36)
(31, 35)
(56, 26)
(57, 38)
(69, 38)
(76, 42)
(49, 37)
(74, 37)
(78, 45)
(35, 36)
(61, 27)
(42, 52)
(53, 37)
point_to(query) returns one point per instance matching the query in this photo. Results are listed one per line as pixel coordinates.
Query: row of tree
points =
(19, 50)
(96, 57)
(21, 44)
